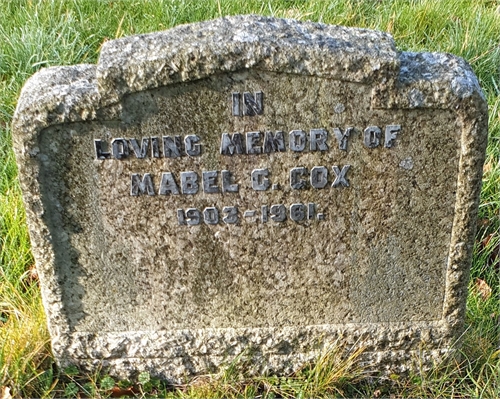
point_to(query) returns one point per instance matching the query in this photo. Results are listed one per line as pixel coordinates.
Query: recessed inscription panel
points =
(288, 210)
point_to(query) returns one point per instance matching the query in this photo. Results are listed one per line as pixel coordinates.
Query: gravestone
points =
(252, 184)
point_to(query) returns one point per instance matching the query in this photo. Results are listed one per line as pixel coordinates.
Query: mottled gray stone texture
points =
(373, 250)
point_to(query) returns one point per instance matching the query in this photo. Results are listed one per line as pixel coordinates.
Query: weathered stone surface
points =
(374, 250)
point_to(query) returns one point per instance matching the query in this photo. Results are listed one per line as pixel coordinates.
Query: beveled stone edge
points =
(472, 115)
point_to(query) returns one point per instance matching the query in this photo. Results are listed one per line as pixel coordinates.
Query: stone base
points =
(391, 348)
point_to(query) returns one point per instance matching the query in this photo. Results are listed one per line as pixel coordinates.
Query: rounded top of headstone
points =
(195, 51)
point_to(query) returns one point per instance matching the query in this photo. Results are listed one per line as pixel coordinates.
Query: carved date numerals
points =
(277, 213)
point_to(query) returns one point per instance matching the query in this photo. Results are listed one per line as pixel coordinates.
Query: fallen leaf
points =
(487, 240)
(483, 288)
(118, 392)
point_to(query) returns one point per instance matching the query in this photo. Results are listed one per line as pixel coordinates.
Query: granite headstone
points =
(252, 183)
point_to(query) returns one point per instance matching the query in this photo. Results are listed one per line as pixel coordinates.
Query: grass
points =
(41, 33)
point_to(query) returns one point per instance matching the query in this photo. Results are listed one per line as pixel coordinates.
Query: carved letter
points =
(319, 176)
(192, 150)
(227, 182)
(140, 152)
(253, 104)
(340, 177)
(120, 148)
(295, 182)
(253, 146)
(210, 181)
(168, 184)
(172, 146)
(259, 181)
(391, 132)
(236, 104)
(143, 186)
(274, 143)
(99, 152)
(372, 136)
(189, 183)
(230, 146)
(297, 140)
(155, 147)
(317, 140)
(342, 136)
